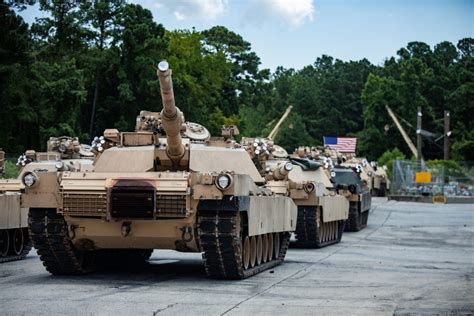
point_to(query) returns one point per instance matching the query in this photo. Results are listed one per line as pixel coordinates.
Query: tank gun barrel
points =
(281, 171)
(171, 118)
(276, 129)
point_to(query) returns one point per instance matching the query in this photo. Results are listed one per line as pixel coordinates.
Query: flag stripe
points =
(341, 144)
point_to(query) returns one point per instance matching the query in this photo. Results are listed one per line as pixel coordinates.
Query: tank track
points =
(221, 242)
(26, 250)
(383, 190)
(48, 231)
(357, 220)
(311, 235)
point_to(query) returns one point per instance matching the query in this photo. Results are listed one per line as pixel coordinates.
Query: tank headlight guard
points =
(223, 181)
(30, 179)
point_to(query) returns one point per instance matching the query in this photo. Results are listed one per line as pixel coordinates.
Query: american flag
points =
(341, 144)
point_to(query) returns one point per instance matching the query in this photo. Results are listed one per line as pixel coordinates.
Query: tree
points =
(15, 112)
(99, 18)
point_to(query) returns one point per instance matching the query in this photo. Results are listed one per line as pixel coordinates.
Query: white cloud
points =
(291, 12)
(206, 10)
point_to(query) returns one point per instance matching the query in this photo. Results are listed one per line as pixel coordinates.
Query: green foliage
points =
(217, 119)
(11, 170)
(387, 159)
(293, 133)
(464, 150)
(450, 166)
(87, 66)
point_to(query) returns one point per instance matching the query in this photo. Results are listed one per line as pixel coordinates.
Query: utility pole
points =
(418, 137)
(402, 131)
(446, 135)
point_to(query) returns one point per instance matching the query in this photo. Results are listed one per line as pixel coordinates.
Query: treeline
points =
(90, 66)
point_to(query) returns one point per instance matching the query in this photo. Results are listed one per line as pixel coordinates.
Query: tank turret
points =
(171, 118)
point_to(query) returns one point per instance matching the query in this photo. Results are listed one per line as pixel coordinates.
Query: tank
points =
(15, 243)
(322, 211)
(364, 169)
(380, 183)
(352, 178)
(349, 184)
(63, 153)
(166, 185)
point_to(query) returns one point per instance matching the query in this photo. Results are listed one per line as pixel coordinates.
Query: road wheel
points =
(18, 242)
(246, 253)
(4, 243)
(270, 246)
(253, 251)
(259, 249)
(264, 248)
(276, 244)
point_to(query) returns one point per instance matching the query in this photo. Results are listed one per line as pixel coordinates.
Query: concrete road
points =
(412, 258)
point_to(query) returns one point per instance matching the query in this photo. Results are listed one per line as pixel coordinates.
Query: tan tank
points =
(362, 167)
(322, 212)
(64, 153)
(348, 182)
(353, 178)
(164, 186)
(381, 182)
(15, 243)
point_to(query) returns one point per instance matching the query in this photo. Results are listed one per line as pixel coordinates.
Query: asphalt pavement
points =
(413, 258)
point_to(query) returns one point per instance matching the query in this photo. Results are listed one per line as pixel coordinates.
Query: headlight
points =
(29, 179)
(333, 174)
(288, 166)
(369, 173)
(59, 164)
(223, 181)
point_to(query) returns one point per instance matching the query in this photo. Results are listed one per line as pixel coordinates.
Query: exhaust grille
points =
(84, 204)
(132, 202)
(171, 206)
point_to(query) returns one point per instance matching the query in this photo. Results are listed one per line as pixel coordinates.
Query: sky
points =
(293, 33)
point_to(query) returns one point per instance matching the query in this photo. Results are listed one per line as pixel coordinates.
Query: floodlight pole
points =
(446, 135)
(418, 136)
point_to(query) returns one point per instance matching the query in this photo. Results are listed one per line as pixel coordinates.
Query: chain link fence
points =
(412, 179)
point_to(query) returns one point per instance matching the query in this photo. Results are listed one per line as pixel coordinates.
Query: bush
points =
(388, 157)
(11, 170)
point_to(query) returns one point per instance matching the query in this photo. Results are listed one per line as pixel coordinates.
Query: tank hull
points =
(15, 243)
(98, 212)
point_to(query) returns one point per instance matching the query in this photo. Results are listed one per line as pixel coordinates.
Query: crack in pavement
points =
(162, 309)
